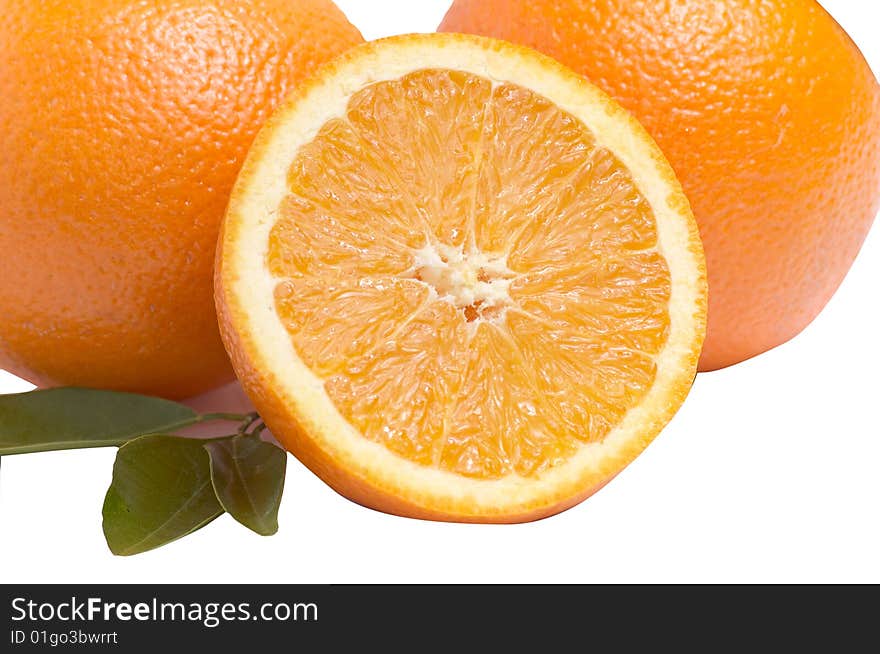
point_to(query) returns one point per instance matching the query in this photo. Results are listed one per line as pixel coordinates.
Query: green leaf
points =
(161, 491)
(248, 477)
(74, 418)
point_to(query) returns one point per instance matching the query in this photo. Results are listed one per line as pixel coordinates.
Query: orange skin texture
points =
(770, 117)
(124, 125)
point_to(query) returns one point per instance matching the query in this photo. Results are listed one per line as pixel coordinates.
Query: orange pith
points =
(476, 282)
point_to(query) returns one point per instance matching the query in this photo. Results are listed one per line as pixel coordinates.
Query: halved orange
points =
(459, 282)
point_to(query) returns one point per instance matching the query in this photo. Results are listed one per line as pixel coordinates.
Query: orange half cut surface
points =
(459, 282)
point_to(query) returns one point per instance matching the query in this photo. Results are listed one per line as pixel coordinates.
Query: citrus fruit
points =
(770, 117)
(459, 282)
(123, 127)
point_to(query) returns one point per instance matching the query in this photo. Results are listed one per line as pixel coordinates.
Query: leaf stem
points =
(254, 418)
(227, 417)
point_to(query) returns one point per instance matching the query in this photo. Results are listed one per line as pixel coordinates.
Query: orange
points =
(459, 282)
(769, 115)
(123, 127)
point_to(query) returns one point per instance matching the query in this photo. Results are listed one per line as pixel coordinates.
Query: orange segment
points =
(341, 179)
(485, 291)
(399, 394)
(332, 322)
(531, 152)
(311, 240)
(598, 211)
(502, 423)
(590, 382)
(620, 301)
(428, 127)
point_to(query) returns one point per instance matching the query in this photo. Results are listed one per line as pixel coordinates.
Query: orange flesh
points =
(476, 282)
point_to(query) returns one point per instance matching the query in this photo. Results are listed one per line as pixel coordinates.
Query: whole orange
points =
(771, 118)
(123, 125)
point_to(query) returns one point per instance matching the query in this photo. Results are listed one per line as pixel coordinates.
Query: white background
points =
(770, 473)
